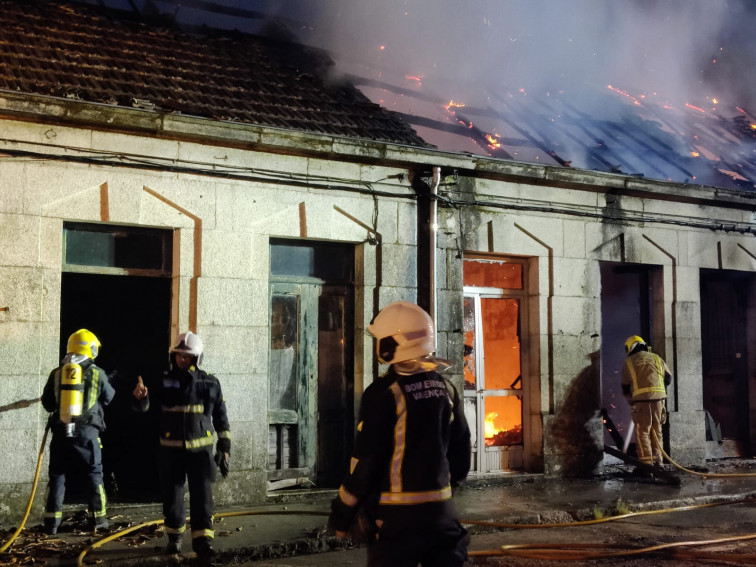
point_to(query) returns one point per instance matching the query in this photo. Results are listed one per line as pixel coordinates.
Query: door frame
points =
(521, 296)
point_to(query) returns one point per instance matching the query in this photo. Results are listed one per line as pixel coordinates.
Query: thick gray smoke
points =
(682, 50)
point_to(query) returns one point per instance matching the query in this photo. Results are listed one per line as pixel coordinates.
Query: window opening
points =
(100, 248)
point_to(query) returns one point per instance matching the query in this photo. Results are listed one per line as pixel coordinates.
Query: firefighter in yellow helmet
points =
(191, 409)
(645, 377)
(76, 393)
(412, 447)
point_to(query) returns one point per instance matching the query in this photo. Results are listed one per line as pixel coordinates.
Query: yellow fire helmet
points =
(632, 341)
(84, 342)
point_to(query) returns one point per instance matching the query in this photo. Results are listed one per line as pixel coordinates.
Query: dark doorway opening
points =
(724, 338)
(131, 317)
(626, 300)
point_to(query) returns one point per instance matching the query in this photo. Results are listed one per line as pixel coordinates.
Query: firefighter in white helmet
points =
(75, 394)
(412, 447)
(192, 409)
(645, 377)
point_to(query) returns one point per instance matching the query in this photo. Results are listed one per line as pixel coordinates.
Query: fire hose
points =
(33, 492)
(534, 551)
(689, 471)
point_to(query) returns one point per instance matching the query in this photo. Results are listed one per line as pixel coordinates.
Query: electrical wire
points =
(33, 492)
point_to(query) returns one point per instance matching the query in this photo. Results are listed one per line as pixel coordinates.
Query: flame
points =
(753, 126)
(493, 141)
(695, 154)
(491, 430)
(453, 104)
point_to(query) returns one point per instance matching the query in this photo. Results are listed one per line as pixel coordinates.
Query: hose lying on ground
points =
(510, 550)
(31, 497)
(689, 471)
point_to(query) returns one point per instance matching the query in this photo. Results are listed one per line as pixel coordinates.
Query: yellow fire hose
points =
(533, 551)
(33, 492)
(704, 475)
(536, 551)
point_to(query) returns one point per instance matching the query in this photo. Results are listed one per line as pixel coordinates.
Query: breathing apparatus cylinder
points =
(71, 399)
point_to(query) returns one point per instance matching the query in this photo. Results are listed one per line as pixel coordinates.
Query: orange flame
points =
(453, 104)
(493, 141)
(490, 427)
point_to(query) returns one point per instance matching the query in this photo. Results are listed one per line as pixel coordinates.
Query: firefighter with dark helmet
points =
(191, 407)
(645, 377)
(412, 447)
(75, 394)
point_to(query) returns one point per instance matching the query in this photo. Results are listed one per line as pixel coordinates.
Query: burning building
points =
(155, 180)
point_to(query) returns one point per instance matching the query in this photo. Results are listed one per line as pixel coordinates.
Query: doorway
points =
(626, 310)
(310, 375)
(724, 350)
(494, 316)
(116, 283)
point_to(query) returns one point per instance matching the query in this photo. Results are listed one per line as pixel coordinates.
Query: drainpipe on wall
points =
(427, 219)
(432, 245)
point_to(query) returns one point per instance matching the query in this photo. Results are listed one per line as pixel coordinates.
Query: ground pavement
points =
(296, 523)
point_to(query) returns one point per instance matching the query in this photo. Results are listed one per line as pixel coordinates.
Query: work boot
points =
(202, 547)
(51, 527)
(100, 524)
(174, 544)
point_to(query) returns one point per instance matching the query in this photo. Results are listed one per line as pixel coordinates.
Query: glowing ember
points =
(696, 108)
(453, 104)
(695, 154)
(625, 94)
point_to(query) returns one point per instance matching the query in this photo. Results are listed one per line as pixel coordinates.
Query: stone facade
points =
(226, 189)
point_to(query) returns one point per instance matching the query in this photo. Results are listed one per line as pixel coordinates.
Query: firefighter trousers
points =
(176, 467)
(437, 542)
(81, 457)
(647, 417)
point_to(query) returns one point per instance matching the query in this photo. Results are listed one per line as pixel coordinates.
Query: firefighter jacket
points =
(645, 376)
(191, 407)
(98, 393)
(412, 446)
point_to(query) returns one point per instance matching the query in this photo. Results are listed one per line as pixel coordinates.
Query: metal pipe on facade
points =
(432, 245)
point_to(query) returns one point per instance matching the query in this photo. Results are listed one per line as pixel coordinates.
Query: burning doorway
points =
(116, 282)
(310, 375)
(726, 299)
(494, 313)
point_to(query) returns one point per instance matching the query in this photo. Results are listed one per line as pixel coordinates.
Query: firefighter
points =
(412, 447)
(75, 394)
(191, 407)
(645, 377)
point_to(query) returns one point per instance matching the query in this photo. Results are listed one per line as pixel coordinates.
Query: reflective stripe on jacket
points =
(412, 445)
(645, 373)
(192, 408)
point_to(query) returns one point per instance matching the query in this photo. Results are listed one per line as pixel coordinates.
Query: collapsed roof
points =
(84, 52)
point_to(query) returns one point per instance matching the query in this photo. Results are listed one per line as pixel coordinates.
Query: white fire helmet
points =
(403, 331)
(188, 343)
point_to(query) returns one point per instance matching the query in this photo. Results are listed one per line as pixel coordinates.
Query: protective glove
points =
(221, 459)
